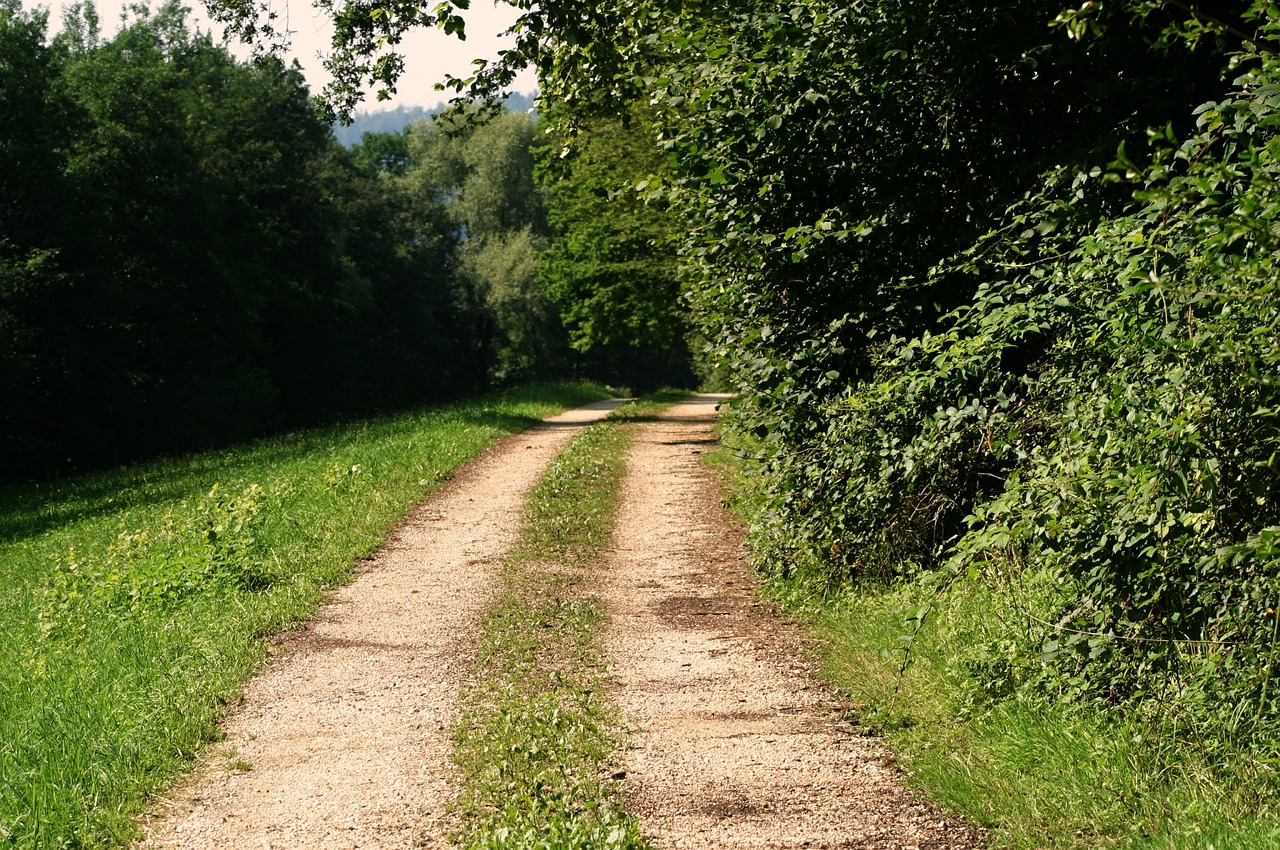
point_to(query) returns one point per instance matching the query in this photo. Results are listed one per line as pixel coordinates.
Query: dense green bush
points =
(1151, 497)
(1100, 419)
(962, 342)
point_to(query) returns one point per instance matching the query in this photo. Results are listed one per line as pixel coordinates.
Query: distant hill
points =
(386, 121)
(395, 120)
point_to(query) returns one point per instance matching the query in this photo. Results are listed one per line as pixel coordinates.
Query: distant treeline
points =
(189, 257)
(386, 121)
(395, 120)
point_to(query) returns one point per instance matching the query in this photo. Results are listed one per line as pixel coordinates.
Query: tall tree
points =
(40, 120)
(190, 258)
(484, 173)
(612, 269)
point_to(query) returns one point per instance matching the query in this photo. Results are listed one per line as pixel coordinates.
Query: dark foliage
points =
(187, 257)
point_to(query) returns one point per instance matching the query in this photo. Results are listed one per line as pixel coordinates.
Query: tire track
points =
(344, 740)
(735, 745)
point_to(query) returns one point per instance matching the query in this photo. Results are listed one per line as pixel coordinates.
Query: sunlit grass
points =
(1037, 774)
(134, 603)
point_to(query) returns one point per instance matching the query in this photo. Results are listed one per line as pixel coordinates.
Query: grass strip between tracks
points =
(134, 603)
(538, 730)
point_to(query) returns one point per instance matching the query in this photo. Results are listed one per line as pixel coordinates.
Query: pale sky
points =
(430, 54)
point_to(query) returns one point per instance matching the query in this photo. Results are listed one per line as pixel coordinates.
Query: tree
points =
(384, 152)
(40, 119)
(484, 175)
(190, 258)
(612, 269)
(194, 207)
(399, 275)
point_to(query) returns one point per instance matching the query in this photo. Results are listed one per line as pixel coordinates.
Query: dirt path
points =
(344, 740)
(735, 746)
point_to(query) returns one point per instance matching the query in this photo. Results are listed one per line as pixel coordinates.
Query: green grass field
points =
(134, 603)
(1039, 775)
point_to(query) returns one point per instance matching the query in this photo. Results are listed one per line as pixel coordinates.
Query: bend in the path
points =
(734, 747)
(344, 739)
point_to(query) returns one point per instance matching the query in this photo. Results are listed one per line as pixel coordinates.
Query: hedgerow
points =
(1099, 419)
(1150, 498)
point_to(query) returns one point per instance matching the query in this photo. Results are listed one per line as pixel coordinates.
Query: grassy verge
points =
(537, 730)
(1035, 773)
(134, 603)
(1040, 775)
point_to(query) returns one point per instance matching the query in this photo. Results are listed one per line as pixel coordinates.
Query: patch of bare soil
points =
(735, 744)
(343, 741)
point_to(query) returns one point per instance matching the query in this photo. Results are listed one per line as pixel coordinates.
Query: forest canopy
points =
(187, 257)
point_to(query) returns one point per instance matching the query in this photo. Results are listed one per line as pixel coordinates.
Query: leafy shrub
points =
(1153, 500)
(1103, 414)
(1094, 431)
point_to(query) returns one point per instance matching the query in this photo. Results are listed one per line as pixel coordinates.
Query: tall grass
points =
(1038, 774)
(134, 603)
